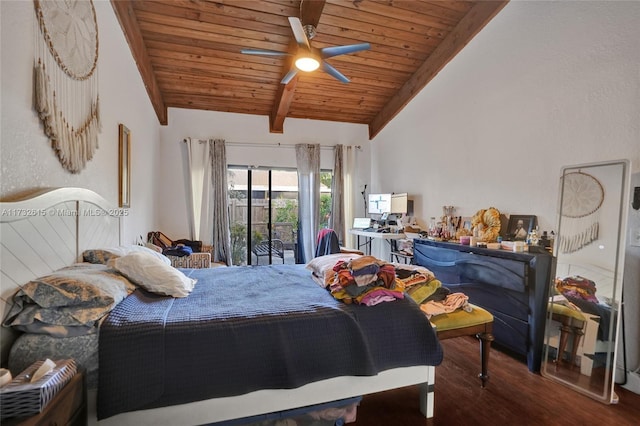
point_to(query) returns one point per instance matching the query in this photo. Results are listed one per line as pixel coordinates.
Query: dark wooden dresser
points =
(512, 286)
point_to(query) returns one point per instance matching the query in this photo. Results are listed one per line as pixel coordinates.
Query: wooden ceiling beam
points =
(126, 16)
(310, 13)
(280, 109)
(479, 16)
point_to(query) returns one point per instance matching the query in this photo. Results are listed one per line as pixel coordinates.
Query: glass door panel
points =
(260, 217)
(237, 179)
(272, 198)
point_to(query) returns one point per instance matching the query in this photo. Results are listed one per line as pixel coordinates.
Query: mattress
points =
(248, 328)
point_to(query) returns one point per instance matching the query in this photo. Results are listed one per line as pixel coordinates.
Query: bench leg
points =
(565, 329)
(577, 335)
(485, 349)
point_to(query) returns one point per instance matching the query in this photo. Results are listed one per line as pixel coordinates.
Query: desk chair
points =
(327, 243)
(478, 323)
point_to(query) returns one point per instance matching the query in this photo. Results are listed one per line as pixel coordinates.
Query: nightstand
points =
(67, 408)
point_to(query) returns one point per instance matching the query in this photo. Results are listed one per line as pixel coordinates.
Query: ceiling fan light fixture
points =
(307, 63)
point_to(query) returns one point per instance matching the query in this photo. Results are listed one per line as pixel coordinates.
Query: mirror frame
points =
(615, 196)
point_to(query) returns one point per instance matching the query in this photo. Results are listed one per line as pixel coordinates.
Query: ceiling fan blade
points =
(328, 52)
(264, 52)
(287, 78)
(334, 72)
(298, 32)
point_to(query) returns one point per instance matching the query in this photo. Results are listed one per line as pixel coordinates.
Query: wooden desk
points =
(369, 236)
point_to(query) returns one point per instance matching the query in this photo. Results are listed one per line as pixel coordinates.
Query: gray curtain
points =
(308, 164)
(336, 221)
(220, 200)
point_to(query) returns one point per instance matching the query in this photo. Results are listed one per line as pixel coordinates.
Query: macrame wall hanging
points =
(66, 79)
(582, 198)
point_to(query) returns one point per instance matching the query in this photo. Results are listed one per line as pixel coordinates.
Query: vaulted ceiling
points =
(189, 54)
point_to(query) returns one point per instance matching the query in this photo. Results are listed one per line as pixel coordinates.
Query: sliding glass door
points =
(264, 214)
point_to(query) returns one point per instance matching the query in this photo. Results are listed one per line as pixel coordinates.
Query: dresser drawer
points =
(512, 286)
(496, 299)
(455, 267)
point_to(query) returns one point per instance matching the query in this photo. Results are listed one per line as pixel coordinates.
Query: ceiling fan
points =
(309, 58)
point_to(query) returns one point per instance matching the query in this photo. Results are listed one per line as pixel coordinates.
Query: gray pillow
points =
(68, 302)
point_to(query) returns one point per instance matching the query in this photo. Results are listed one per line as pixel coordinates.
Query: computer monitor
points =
(399, 203)
(379, 203)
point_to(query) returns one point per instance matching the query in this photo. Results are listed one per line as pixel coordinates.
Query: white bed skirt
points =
(269, 401)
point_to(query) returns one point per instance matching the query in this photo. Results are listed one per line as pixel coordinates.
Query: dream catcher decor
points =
(582, 197)
(65, 78)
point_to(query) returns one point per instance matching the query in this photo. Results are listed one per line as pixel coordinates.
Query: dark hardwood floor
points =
(513, 396)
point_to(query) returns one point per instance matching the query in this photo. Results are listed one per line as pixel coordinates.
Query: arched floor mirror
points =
(584, 299)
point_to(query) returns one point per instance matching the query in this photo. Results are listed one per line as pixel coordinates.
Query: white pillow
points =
(103, 256)
(152, 274)
(126, 250)
(319, 265)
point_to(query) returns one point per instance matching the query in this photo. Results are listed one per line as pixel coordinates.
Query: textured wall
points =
(544, 85)
(27, 160)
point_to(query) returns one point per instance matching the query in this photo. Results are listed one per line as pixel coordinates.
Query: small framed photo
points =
(520, 226)
(124, 171)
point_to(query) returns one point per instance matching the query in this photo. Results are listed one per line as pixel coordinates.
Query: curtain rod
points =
(273, 145)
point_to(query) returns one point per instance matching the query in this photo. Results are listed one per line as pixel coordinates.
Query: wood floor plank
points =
(513, 396)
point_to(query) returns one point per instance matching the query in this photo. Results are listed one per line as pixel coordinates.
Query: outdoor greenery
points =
(238, 243)
(285, 212)
(288, 213)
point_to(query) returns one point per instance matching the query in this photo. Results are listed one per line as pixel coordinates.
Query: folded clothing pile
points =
(427, 291)
(418, 281)
(365, 280)
(577, 287)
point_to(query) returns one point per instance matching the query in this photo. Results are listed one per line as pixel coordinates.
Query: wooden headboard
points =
(46, 230)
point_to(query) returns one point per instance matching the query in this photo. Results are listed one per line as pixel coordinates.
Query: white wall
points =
(544, 84)
(251, 129)
(27, 160)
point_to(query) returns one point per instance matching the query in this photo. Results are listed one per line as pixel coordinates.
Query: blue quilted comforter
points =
(249, 328)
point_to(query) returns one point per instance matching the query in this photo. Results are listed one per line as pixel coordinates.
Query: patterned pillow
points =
(103, 256)
(97, 256)
(68, 302)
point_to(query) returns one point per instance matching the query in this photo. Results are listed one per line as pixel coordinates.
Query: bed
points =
(50, 229)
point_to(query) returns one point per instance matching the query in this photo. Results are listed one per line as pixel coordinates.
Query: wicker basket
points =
(21, 398)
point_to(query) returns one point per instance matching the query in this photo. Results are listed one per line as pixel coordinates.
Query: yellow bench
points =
(478, 323)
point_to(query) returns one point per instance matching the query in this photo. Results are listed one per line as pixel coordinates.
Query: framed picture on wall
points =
(124, 170)
(520, 226)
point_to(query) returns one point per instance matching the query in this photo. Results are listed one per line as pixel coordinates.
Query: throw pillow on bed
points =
(68, 302)
(153, 274)
(103, 256)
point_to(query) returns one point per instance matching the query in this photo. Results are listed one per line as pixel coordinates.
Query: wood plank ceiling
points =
(188, 53)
